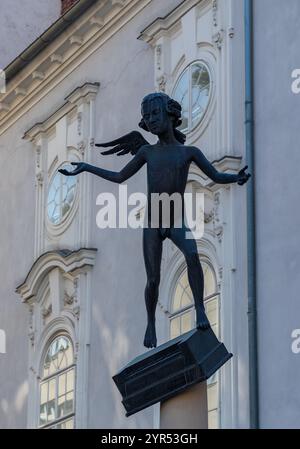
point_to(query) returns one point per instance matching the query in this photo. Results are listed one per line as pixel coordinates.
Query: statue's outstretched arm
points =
(218, 177)
(129, 170)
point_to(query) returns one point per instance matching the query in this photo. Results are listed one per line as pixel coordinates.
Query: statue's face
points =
(155, 116)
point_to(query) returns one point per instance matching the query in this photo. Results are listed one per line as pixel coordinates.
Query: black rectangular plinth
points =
(170, 369)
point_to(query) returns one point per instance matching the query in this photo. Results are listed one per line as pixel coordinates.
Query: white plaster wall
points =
(277, 36)
(21, 22)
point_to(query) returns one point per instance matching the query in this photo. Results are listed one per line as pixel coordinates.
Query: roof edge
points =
(48, 36)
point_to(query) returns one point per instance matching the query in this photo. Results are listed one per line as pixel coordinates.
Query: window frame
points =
(188, 69)
(43, 380)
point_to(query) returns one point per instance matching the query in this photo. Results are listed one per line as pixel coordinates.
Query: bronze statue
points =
(168, 163)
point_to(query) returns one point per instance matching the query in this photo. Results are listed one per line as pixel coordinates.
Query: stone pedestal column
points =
(187, 410)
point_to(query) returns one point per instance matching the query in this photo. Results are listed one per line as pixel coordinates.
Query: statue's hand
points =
(243, 177)
(80, 167)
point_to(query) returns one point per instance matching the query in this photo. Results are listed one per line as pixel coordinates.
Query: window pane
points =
(52, 389)
(43, 414)
(211, 311)
(70, 380)
(187, 298)
(69, 403)
(68, 424)
(200, 92)
(177, 298)
(212, 396)
(65, 404)
(61, 409)
(210, 286)
(175, 327)
(184, 281)
(181, 94)
(61, 196)
(44, 393)
(59, 356)
(187, 322)
(62, 384)
(51, 410)
(57, 393)
(213, 419)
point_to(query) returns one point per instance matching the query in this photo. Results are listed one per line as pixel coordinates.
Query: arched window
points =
(57, 385)
(193, 92)
(61, 196)
(183, 319)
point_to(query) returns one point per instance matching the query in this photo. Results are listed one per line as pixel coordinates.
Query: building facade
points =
(72, 304)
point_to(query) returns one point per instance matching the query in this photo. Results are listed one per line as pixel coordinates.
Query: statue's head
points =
(159, 111)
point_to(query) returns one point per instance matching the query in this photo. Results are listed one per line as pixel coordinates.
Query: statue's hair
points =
(173, 108)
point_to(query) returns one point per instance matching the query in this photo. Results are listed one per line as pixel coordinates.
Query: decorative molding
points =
(76, 40)
(81, 146)
(231, 32)
(79, 123)
(4, 107)
(20, 91)
(56, 58)
(40, 178)
(36, 75)
(208, 217)
(161, 26)
(68, 261)
(158, 52)
(76, 311)
(81, 94)
(218, 39)
(46, 311)
(97, 21)
(161, 83)
(38, 156)
(215, 12)
(68, 299)
(217, 224)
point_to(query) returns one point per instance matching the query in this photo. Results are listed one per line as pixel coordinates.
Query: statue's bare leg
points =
(152, 247)
(195, 273)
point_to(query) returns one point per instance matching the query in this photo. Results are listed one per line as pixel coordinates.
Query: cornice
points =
(162, 25)
(61, 57)
(68, 261)
(81, 94)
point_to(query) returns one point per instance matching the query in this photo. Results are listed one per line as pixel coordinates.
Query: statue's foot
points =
(150, 340)
(202, 320)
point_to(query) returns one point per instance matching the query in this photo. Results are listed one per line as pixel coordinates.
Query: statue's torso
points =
(167, 168)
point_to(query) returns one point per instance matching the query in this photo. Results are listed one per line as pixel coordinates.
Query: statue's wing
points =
(130, 143)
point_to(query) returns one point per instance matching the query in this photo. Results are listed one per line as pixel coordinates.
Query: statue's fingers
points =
(63, 172)
(75, 163)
